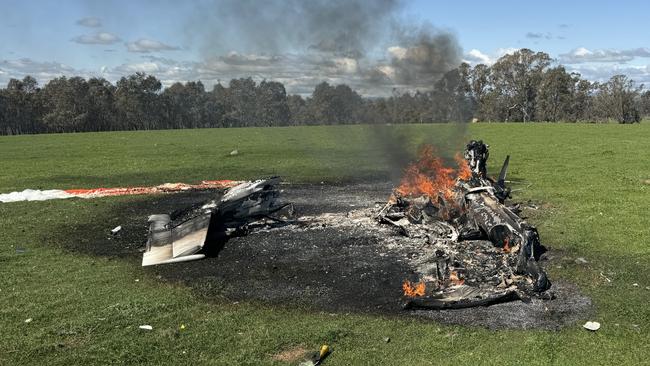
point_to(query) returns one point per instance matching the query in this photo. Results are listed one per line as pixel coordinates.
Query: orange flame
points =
(464, 171)
(413, 290)
(506, 245)
(455, 279)
(429, 176)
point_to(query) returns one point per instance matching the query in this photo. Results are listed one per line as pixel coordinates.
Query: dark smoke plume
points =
(338, 27)
(425, 56)
(365, 44)
(372, 47)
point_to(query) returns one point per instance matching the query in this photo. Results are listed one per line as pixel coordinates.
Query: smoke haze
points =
(368, 45)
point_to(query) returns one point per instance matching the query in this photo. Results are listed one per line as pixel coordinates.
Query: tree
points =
(452, 98)
(479, 82)
(23, 107)
(555, 95)
(272, 107)
(516, 78)
(66, 104)
(101, 111)
(136, 102)
(185, 105)
(582, 99)
(240, 103)
(334, 105)
(298, 110)
(644, 103)
(616, 99)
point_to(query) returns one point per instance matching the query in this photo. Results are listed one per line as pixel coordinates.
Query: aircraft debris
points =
(195, 232)
(592, 326)
(465, 206)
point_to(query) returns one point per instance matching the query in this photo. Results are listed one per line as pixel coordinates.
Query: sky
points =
(373, 45)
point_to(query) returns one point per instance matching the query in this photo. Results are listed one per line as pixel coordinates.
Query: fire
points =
(455, 278)
(506, 245)
(413, 290)
(464, 171)
(429, 176)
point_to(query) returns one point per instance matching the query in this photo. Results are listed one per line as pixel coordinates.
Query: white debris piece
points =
(28, 320)
(116, 230)
(146, 327)
(234, 152)
(593, 326)
(34, 195)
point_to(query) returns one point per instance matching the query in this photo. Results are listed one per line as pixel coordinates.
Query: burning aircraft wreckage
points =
(452, 226)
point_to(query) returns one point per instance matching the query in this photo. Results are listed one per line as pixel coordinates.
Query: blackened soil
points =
(330, 269)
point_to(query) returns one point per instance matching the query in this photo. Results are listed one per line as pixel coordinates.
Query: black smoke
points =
(376, 48)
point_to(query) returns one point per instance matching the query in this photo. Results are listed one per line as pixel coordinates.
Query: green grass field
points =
(594, 182)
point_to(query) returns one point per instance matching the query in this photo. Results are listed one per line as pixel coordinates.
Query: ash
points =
(471, 268)
(454, 231)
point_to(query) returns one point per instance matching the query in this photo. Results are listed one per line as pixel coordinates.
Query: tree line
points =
(522, 87)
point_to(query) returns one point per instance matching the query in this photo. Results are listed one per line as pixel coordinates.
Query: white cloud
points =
(90, 22)
(397, 52)
(235, 58)
(475, 56)
(147, 67)
(389, 71)
(506, 51)
(145, 45)
(346, 64)
(640, 74)
(41, 71)
(97, 38)
(583, 55)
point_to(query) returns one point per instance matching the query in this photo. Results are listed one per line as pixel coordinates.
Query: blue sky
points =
(215, 40)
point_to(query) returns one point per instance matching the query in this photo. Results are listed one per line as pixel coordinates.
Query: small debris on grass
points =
(592, 326)
(28, 320)
(182, 327)
(605, 277)
(116, 230)
(146, 327)
(137, 280)
(234, 152)
(581, 260)
(387, 339)
(635, 284)
(20, 250)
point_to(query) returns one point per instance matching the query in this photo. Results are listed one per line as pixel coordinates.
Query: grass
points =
(593, 180)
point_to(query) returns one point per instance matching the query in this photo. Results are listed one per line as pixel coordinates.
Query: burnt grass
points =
(327, 269)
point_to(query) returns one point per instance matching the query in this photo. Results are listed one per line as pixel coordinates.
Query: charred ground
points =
(334, 269)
